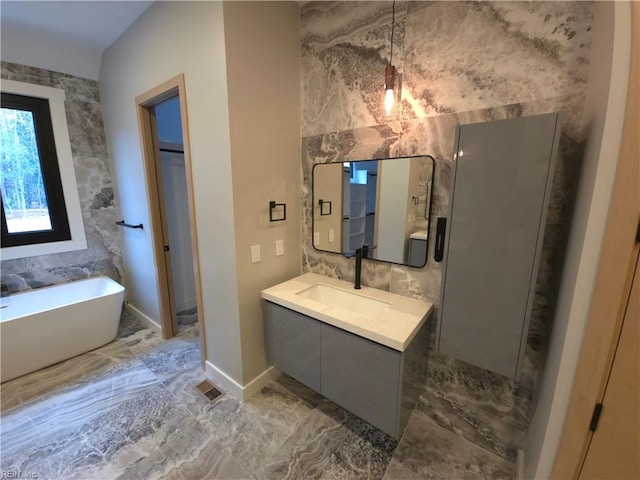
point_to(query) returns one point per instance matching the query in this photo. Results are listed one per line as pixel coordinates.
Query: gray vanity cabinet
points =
(293, 344)
(501, 185)
(377, 383)
(361, 376)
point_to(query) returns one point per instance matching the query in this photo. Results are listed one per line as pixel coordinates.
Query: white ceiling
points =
(96, 24)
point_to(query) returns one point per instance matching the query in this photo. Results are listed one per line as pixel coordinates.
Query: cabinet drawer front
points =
(361, 376)
(293, 344)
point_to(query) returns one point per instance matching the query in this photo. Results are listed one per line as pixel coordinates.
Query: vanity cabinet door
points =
(293, 344)
(361, 376)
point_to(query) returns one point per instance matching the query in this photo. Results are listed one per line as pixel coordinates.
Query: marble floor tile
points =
(310, 452)
(181, 354)
(293, 386)
(183, 386)
(332, 443)
(195, 454)
(427, 451)
(187, 317)
(94, 427)
(128, 325)
(475, 425)
(130, 410)
(151, 467)
(255, 429)
(482, 390)
(52, 379)
(140, 342)
(191, 453)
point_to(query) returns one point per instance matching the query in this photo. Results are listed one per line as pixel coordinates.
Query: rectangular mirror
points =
(381, 203)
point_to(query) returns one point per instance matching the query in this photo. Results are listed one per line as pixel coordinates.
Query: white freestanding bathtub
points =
(47, 325)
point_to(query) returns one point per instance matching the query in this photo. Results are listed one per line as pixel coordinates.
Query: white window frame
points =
(78, 240)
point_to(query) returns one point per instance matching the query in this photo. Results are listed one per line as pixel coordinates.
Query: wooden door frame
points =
(144, 103)
(612, 287)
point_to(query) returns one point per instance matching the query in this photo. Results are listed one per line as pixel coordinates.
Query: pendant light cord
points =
(393, 24)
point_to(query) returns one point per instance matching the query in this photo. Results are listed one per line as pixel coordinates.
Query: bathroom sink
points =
(382, 317)
(343, 299)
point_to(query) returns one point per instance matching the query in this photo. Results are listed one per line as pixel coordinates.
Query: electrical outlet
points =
(255, 253)
(279, 247)
(331, 235)
(316, 239)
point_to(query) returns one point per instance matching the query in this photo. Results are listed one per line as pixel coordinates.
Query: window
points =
(40, 205)
(33, 208)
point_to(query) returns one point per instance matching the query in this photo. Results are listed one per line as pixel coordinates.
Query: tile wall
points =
(458, 62)
(95, 188)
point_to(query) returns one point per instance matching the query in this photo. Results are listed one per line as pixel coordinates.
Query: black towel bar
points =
(122, 223)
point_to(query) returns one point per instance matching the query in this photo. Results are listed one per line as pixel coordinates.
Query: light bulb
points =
(389, 91)
(389, 99)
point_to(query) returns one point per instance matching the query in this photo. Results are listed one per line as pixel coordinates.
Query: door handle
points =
(441, 228)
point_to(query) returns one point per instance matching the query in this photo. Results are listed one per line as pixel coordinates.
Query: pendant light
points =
(390, 70)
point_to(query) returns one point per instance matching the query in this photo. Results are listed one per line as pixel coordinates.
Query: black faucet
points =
(362, 252)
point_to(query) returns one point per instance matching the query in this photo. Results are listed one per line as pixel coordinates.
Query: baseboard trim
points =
(520, 465)
(255, 385)
(148, 321)
(230, 386)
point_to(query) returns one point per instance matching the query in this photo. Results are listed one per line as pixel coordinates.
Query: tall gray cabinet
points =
(501, 185)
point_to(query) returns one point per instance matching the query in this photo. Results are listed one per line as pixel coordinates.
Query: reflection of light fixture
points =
(390, 70)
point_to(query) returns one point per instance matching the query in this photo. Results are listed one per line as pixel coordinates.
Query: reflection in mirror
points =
(381, 203)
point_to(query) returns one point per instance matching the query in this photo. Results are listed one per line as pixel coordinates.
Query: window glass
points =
(33, 205)
(23, 194)
(40, 204)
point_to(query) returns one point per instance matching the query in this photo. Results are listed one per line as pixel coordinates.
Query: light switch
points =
(331, 235)
(316, 239)
(279, 248)
(255, 253)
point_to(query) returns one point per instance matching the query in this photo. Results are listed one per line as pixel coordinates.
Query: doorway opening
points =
(162, 115)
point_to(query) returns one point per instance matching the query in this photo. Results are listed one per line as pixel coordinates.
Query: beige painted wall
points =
(263, 77)
(168, 39)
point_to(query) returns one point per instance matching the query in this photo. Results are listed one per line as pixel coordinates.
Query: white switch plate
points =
(331, 235)
(316, 239)
(255, 253)
(279, 247)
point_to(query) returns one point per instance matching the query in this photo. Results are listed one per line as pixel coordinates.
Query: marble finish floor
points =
(130, 410)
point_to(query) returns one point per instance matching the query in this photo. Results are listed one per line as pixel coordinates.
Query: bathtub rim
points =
(117, 288)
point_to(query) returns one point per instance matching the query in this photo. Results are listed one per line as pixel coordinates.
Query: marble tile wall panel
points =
(95, 189)
(345, 48)
(458, 63)
(486, 54)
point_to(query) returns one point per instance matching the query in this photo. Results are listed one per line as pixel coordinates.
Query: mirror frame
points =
(313, 206)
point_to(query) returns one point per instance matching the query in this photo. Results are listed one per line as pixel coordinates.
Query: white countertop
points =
(394, 327)
(419, 235)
